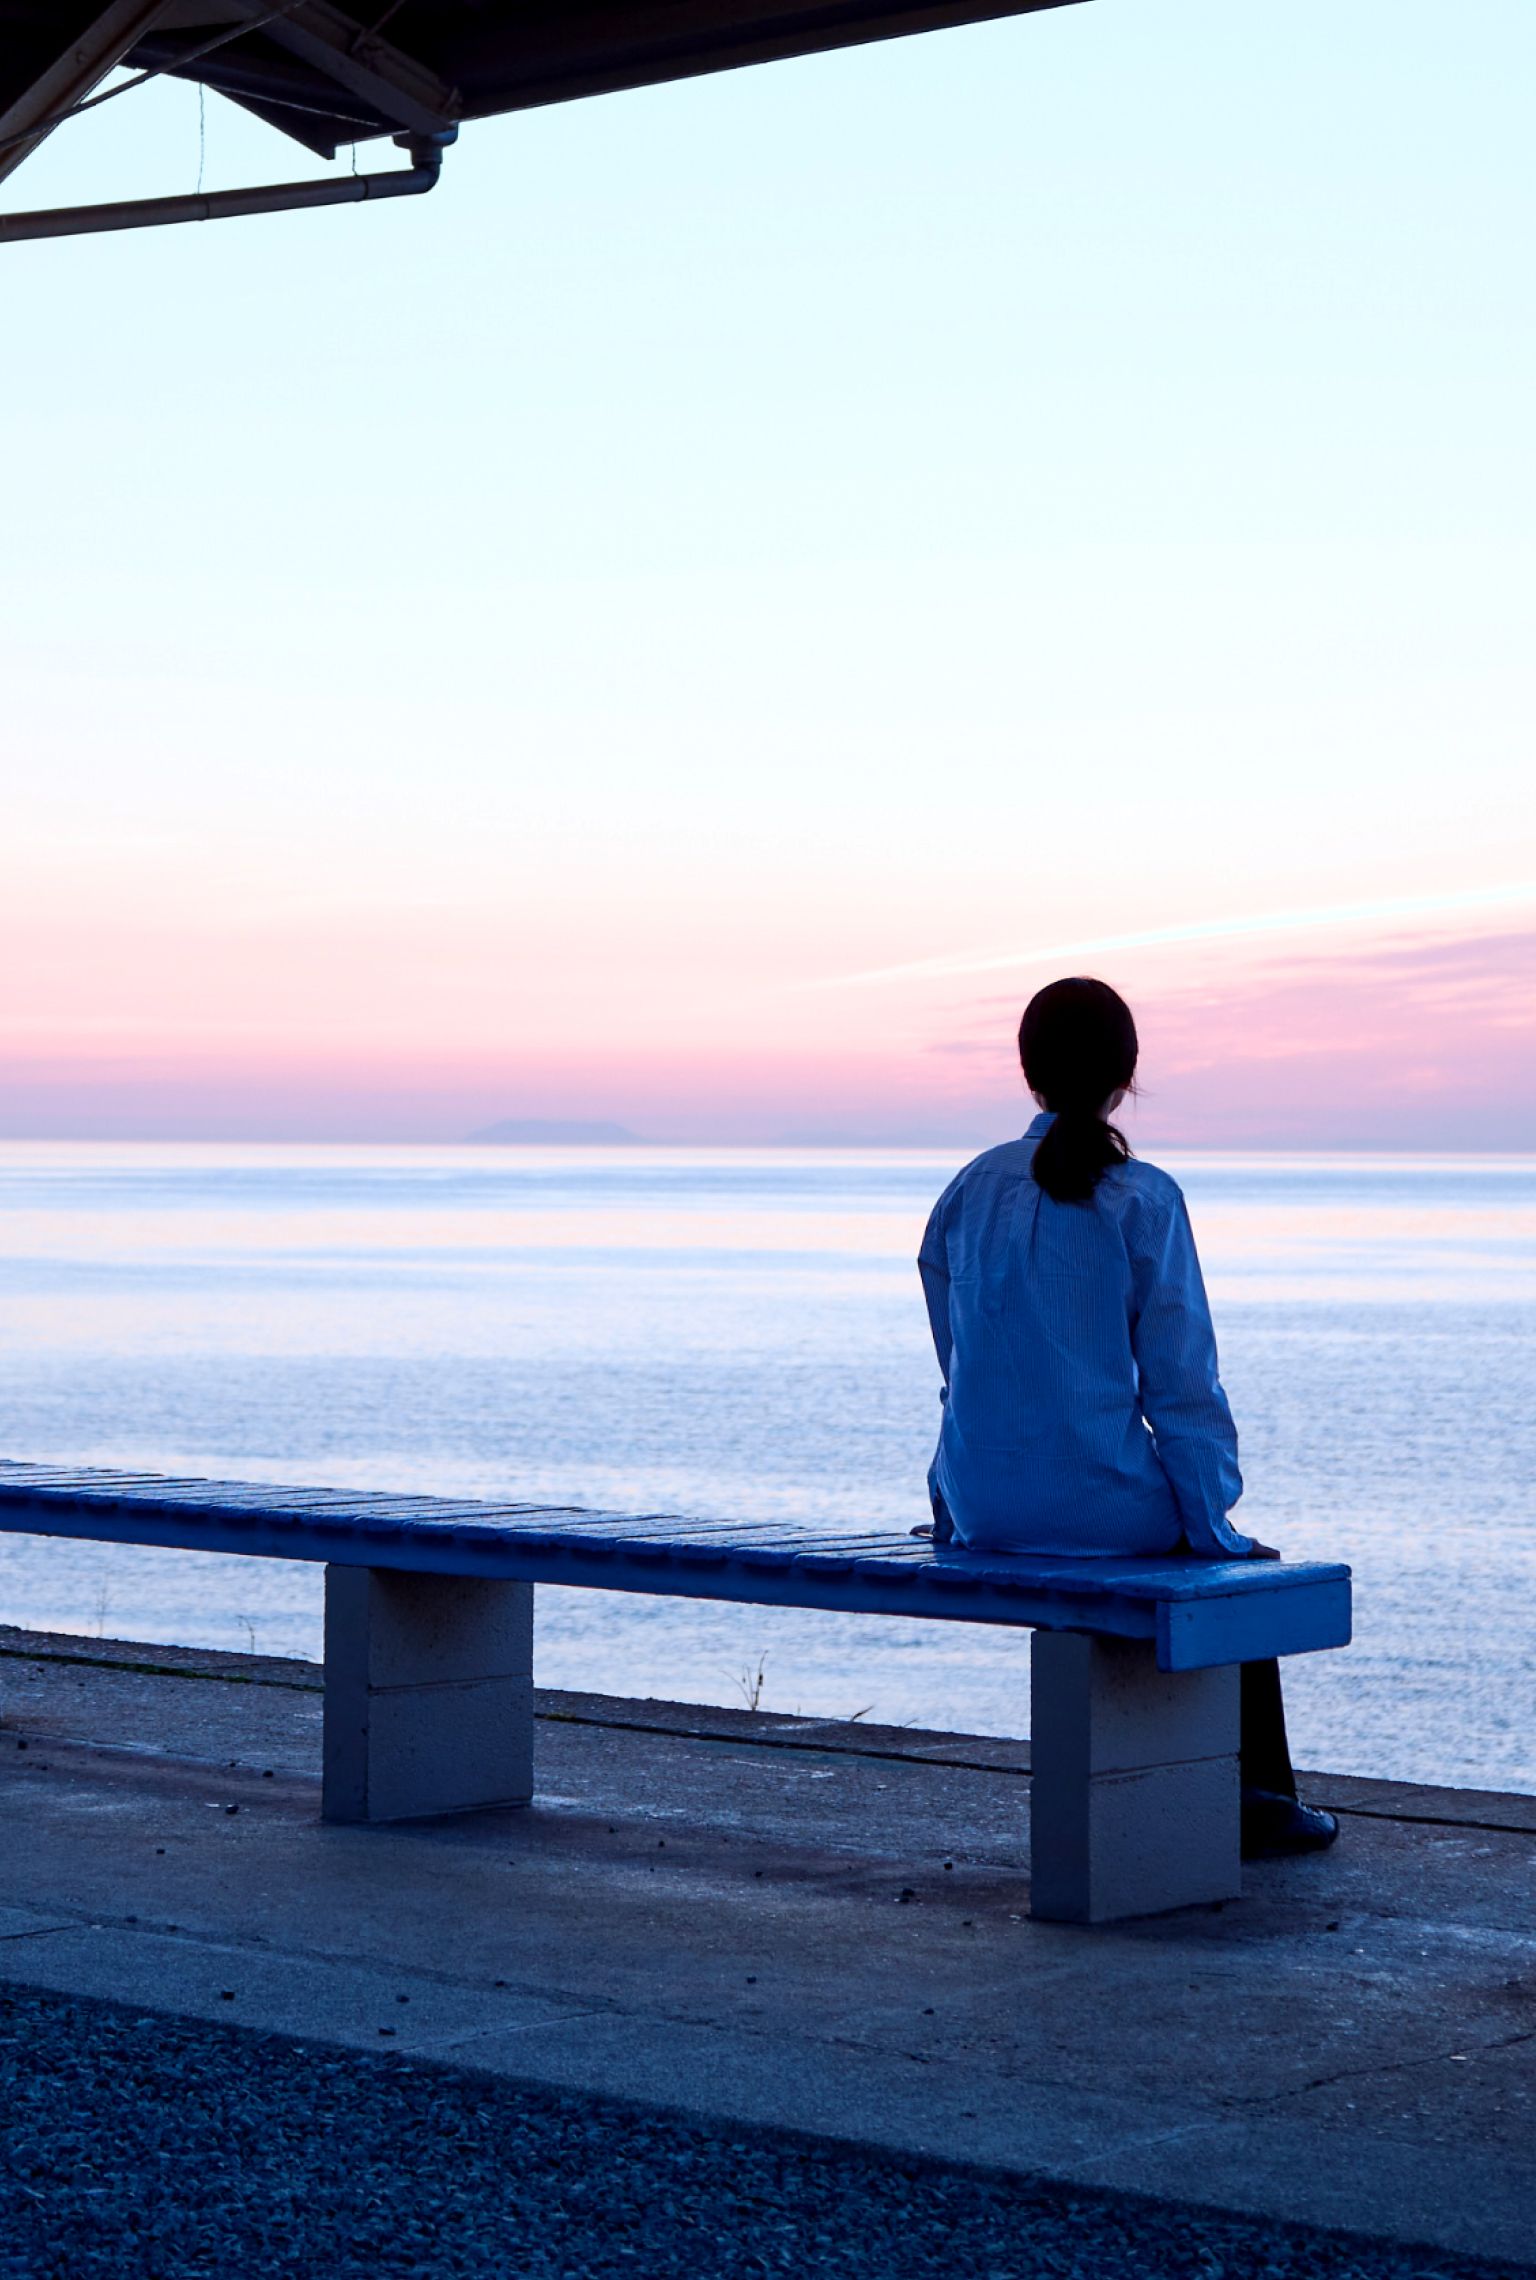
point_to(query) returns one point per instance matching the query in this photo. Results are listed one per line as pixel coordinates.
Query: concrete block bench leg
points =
(1134, 1800)
(428, 1694)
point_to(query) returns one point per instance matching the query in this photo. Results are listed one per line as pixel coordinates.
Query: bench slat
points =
(1197, 1612)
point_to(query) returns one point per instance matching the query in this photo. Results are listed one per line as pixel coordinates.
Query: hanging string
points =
(202, 130)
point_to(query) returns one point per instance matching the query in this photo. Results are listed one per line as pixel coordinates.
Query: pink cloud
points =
(1428, 1044)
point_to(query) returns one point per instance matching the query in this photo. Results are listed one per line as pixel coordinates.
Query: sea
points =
(740, 1332)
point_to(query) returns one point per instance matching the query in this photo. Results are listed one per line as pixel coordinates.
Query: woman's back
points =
(1083, 1410)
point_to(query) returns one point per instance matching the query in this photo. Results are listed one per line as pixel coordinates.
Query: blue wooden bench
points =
(429, 1649)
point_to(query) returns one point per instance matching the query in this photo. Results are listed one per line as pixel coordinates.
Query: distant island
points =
(558, 1132)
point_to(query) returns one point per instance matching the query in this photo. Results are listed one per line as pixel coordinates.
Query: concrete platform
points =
(763, 1919)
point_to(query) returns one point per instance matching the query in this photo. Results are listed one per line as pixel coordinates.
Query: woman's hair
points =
(1077, 1043)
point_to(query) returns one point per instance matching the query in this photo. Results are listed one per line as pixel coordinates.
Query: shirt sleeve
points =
(933, 1266)
(1181, 1393)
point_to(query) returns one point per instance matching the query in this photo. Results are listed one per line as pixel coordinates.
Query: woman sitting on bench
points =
(1082, 1408)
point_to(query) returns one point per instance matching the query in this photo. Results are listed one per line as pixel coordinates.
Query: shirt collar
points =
(1042, 1123)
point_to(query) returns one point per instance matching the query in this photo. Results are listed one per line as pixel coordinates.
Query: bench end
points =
(1254, 1626)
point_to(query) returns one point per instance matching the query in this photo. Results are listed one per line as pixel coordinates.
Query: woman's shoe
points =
(1275, 1826)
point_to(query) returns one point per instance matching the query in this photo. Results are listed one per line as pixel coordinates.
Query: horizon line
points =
(853, 1144)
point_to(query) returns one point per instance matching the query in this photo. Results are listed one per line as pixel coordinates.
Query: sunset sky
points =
(695, 620)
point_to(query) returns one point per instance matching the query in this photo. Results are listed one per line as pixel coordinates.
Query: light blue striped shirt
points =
(1082, 1408)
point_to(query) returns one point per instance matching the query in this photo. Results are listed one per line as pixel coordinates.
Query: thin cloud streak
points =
(1455, 902)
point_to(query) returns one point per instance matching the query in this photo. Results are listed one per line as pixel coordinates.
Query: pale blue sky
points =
(1061, 478)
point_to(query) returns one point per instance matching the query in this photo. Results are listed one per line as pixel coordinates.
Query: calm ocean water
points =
(742, 1333)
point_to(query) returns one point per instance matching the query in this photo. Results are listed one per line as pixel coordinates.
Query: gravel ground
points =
(146, 2145)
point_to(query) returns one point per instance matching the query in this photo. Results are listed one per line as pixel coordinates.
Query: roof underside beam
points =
(382, 77)
(83, 56)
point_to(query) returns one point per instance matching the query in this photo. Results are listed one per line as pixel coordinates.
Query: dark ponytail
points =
(1077, 1044)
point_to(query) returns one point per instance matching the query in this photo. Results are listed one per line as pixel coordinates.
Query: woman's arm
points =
(933, 1266)
(1181, 1393)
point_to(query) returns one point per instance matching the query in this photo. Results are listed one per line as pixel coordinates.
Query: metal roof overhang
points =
(329, 76)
